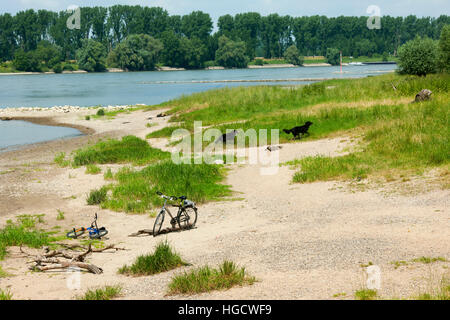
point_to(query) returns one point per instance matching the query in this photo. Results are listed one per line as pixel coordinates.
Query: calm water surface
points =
(16, 133)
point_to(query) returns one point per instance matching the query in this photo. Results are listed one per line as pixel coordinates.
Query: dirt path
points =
(301, 241)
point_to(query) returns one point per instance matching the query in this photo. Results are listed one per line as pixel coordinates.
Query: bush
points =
(69, 67)
(58, 68)
(418, 57)
(92, 56)
(333, 56)
(138, 52)
(259, 62)
(292, 55)
(101, 112)
(26, 61)
(231, 54)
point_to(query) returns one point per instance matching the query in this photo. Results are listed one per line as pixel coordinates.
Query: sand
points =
(301, 241)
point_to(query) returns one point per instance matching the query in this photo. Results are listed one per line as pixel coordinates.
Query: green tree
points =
(26, 61)
(292, 55)
(194, 53)
(444, 49)
(231, 54)
(333, 56)
(48, 53)
(92, 56)
(197, 25)
(138, 52)
(418, 57)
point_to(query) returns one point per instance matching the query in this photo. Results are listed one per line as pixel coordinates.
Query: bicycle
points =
(94, 231)
(186, 217)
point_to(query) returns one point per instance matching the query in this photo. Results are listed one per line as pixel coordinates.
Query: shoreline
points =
(168, 69)
(51, 121)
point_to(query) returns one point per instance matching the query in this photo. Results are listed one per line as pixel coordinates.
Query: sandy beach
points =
(301, 241)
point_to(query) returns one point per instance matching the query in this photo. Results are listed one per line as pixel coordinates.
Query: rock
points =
(423, 95)
(6, 118)
(162, 115)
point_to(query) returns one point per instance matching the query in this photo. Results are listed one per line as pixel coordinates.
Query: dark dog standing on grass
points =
(299, 130)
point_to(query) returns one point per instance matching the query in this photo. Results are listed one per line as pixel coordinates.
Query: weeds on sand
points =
(5, 295)
(23, 232)
(164, 258)
(105, 293)
(206, 279)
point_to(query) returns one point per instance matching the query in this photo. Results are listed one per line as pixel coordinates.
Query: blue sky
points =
(216, 8)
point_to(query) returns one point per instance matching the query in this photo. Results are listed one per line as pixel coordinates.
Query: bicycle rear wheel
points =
(75, 233)
(187, 218)
(158, 223)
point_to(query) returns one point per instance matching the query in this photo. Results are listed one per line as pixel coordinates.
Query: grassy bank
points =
(397, 134)
(413, 138)
(128, 150)
(135, 190)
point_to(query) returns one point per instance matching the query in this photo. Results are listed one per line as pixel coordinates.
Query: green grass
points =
(93, 169)
(274, 107)
(205, 279)
(164, 258)
(108, 175)
(105, 293)
(22, 232)
(366, 294)
(60, 215)
(416, 138)
(428, 260)
(129, 149)
(60, 159)
(5, 295)
(135, 190)
(97, 196)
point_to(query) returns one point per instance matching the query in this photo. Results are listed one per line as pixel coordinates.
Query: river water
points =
(48, 90)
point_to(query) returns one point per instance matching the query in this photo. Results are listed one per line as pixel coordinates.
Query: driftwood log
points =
(54, 259)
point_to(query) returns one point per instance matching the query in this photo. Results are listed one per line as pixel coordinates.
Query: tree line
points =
(137, 38)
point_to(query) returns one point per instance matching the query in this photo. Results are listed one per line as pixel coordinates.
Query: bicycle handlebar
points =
(172, 198)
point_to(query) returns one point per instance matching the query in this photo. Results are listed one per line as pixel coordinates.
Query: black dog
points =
(299, 130)
(227, 137)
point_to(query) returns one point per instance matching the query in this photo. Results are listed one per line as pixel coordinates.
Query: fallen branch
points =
(64, 265)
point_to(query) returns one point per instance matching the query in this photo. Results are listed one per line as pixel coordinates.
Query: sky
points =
(217, 8)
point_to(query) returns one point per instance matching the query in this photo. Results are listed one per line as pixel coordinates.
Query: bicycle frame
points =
(166, 209)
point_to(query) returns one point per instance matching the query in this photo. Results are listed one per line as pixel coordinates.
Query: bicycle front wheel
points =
(158, 223)
(75, 233)
(187, 218)
(98, 235)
